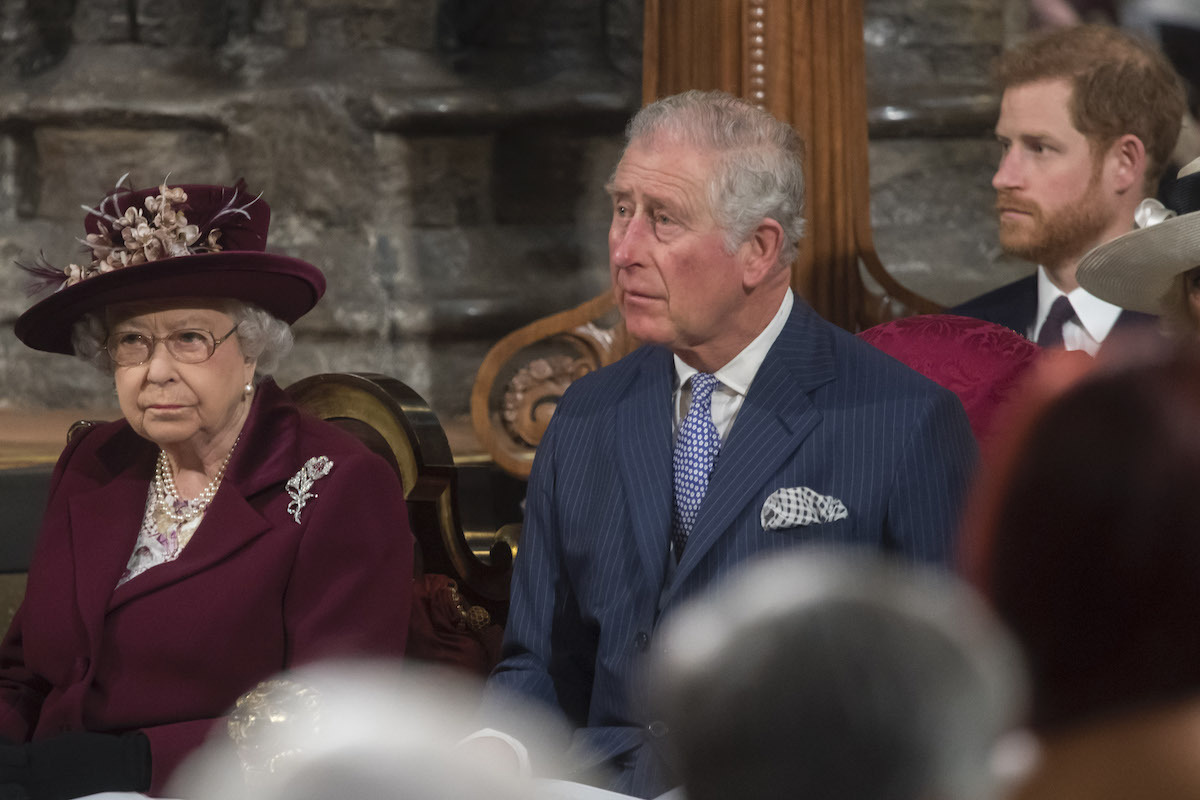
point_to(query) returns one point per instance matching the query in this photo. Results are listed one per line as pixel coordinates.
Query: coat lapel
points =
(776, 417)
(265, 457)
(104, 524)
(643, 433)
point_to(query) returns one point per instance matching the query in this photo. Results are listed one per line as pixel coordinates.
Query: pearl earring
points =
(248, 389)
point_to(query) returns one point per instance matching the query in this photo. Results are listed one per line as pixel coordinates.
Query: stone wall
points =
(441, 160)
(933, 152)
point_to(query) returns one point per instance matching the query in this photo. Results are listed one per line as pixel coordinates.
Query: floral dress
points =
(160, 538)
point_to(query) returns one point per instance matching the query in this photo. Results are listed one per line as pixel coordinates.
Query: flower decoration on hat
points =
(168, 241)
(1151, 212)
(136, 236)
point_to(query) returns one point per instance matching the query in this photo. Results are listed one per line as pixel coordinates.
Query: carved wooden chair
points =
(802, 60)
(522, 377)
(461, 582)
(394, 421)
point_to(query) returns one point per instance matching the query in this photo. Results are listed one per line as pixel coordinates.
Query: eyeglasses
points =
(188, 346)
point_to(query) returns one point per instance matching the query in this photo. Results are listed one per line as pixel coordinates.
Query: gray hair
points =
(260, 336)
(818, 674)
(760, 161)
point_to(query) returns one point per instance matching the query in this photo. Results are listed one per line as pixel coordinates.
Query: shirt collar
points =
(738, 374)
(1095, 316)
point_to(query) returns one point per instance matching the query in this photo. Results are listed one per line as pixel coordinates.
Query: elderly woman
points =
(1156, 268)
(214, 536)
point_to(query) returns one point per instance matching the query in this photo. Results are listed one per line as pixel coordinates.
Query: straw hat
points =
(170, 241)
(1136, 270)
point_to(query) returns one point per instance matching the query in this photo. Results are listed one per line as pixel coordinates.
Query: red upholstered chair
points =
(982, 362)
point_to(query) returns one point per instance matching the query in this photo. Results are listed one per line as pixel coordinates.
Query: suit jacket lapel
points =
(643, 433)
(776, 416)
(1135, 320)
(1021, 311)
(265, 457)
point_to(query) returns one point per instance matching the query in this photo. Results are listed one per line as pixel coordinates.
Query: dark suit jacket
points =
(1014, 305)
(593, 577)
(254, 591)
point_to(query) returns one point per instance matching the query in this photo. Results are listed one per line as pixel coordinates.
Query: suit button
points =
(641, 641)
(657, 729)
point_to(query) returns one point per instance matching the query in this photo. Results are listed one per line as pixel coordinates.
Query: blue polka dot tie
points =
(696, 449)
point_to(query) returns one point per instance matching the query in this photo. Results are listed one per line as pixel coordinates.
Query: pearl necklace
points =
(167, 496)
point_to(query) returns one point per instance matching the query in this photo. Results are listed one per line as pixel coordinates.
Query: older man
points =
(1088, 118)
(745, 424)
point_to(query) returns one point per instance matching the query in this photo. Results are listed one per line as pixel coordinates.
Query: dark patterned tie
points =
(1051, 334)
(695, 451)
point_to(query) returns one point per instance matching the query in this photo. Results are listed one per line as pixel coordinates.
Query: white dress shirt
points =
(1093, 319)
(735, 377)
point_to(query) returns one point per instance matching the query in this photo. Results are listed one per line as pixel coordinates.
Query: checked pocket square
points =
(788, 508)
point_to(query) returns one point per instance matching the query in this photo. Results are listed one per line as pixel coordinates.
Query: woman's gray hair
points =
(759, 170)
(260, 336)
(88, 337)
(264, 337)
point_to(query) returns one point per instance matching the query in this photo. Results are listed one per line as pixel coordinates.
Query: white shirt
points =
(735, 377)
(1093, 319)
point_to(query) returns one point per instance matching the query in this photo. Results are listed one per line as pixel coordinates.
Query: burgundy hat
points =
(177, 241)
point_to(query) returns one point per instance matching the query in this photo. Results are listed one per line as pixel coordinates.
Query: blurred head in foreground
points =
(836, 676)
(359, 732)
(1085, 541)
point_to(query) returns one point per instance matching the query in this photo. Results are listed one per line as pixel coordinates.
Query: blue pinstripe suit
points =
(594, 575)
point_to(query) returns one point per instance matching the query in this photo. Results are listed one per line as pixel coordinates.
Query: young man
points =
(1088, 118)
(745, 424)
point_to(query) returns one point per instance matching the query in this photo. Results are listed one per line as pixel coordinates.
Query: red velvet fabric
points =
(981, 362)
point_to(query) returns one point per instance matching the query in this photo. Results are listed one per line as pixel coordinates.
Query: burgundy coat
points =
(254, 591)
